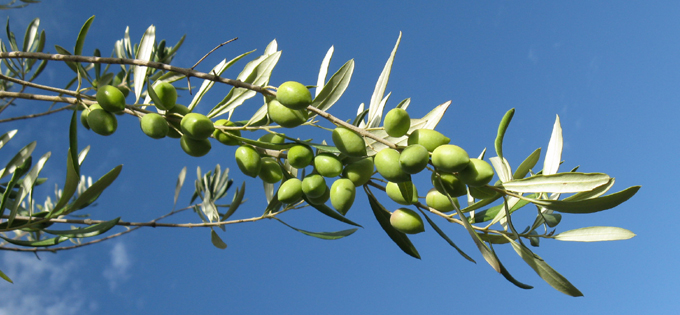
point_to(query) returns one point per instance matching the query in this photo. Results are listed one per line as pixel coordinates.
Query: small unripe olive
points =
(197, 126)
(407, 221)
(195, 147)
(393, 191)
(294, 95)
(450, 184)
(167, 94)
(290, 191)
(397, 122)
(225, 136)
(300, 156)
(154, 126)
(360, 171)
(175, 121)
(477, 173)
(342, 195)
(321, 199)
(248, 160)
(428, 138)
(84, 113)
(272, 138)
(102, 122)
(387, 164)
(111, 99)
(450, 158)
(286, 117)
(349, 142)
(270, 170)
(314, 186)
(439, 201)
(327, 165)
(414, 158)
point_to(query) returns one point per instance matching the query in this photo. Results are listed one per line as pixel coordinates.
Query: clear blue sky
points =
(611, 70)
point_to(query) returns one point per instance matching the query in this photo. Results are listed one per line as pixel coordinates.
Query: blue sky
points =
(610, 70)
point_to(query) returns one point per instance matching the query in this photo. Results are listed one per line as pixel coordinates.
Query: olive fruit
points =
(407, 221)
(349, 142)
(439, 201)
(86, 112)
(224, 136)
(393, 191)
(285, 116)
(450, 158)
(414, 158)
(314, 186)
(342, 195)
(397, 122)
(359, 172)
(272, 138)
(327, 165)
(197, 126)
(299, 156)
(387, 164)
(167, 95)
(248, 160)
(195, 147)
(290, 191)
(428, 138)
(102, 122)
(179, 109)
(294, 95)
(270, 170)
(450, 184)
(477, 173)
(111, 99)
(321, 199)
(154, 125)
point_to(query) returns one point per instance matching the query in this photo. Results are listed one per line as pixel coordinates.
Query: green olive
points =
(393, 191)
(407, 221)
(270, 170)
(175, 121)
(430, 139)
(477, 173)
(450, 158)
(450, 184)
(349, 142)
(327, 165)
(167, 95)
(195, 147)
(102, 122)
(197, 126)
(314, 186)
(154, 126)
(300, 156)
(294, 95)
(360, 171)
(321, 199)
(225, 137)
(286, 117)
(342, 195)
(439, 201)
(111, 99)
(387, 164)
(272, 138)
(397, 122)
(414, 159)
(248, 160)
(290, 191)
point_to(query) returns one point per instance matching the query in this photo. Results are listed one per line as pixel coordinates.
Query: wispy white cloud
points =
(117, 271)
(45, 286)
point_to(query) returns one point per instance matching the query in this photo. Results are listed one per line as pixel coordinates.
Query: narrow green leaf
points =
(92, 230)
(502, 127)
(38, 243)
(383, 217)
(502, 168)
(589, 205)
(11, 38)
(506, 274)
(173, 50)
(321, 79)
(529, 163)
(553, 156)
(4, 276)
(404, 104)
(73, 141)
(322, 235)
(445, 237)
(16, 177)
(547, 273)
(27, 185)
(336, 86)
(180, 183)
(597, 192)
(236, 202)
(558, 183)
(29, 36)
(18, 159)
(374, 109)
(70, 186)
(6, 137)
(216, 240)
(595, 234)
(330, 212)
(80, 41)
(208, 84)
(91, 194)
(143, 53)
(63, 51)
